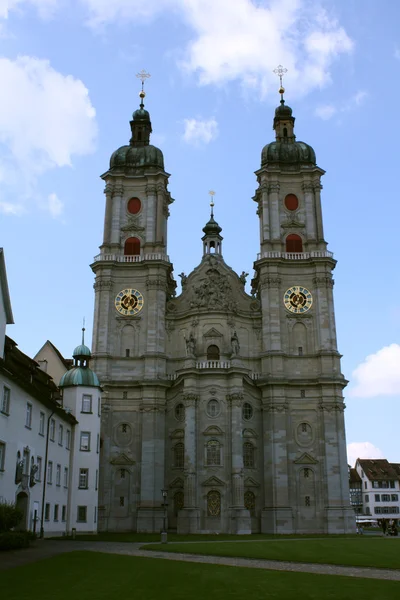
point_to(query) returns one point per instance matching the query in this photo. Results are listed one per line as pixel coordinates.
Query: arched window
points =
(179, 455)
(285, 132)
(213, 352)
(248, 455)
(178, 502)
(132, 246)
(213, 504)
(213, 453)
(250, 502)
(294, 243)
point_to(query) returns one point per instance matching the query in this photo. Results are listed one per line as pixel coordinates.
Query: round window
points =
(213, 408)
(247, 411)
(134, 206)
(291, 202)
(180, 412)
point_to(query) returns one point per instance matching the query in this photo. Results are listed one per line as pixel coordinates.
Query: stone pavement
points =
(47, 548)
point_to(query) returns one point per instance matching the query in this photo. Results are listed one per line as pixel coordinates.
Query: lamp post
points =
(164, 535)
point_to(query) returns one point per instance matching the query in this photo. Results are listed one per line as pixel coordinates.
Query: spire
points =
(212, 240)
(283, 121)
(83, 332)
(141, 124)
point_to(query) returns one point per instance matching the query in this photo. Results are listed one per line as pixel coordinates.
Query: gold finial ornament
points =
(142, 75)
(280, 71)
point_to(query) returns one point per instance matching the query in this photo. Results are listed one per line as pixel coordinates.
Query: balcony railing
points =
(295, 255)
(131, 258)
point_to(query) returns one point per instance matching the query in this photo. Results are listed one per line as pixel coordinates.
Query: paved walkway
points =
(46, 549)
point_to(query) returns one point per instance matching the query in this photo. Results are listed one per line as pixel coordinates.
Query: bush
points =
(10, 516)
(13, 540)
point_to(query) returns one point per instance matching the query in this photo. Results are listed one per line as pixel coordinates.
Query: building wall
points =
(50, 363)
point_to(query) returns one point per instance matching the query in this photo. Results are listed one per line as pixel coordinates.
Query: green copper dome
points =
(212, 227)
(83, 351)
(288, 153)
(136, 157)
(141, 114)
(79, 376)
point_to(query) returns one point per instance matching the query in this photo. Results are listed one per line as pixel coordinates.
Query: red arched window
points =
(294, 243)
(132, 246)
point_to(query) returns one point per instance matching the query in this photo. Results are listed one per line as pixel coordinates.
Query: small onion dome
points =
(283, 111)
(288, 153)
(136, 157)
(79, 376)
(141, 114)
(212, 227)
(82, 351)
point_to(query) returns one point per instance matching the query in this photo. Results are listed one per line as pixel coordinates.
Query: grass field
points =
(95, 576)
(363, 552)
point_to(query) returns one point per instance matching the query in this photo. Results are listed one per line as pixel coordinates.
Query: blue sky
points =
(68, 69)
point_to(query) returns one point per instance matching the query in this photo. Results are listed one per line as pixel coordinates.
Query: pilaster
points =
(189, 517)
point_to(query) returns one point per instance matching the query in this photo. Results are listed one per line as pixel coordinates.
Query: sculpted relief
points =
(215, 292)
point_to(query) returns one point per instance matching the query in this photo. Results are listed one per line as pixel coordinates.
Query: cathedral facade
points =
(230, 403)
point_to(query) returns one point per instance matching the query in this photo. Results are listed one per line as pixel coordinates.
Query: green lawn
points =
(361, 551)
(95, 576)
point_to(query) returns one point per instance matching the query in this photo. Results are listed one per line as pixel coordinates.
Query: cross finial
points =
(281, 71)
(212, 194)
(142, 75)
(83, 332)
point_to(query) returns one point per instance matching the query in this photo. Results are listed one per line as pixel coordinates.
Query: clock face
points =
(129, 302)
(298, 299)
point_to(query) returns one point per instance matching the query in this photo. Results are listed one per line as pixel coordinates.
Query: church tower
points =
(133, 279)
(305, 465)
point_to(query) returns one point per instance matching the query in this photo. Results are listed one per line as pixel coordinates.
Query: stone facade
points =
(232, 402)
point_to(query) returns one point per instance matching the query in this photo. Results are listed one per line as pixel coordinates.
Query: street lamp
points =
(164, 535)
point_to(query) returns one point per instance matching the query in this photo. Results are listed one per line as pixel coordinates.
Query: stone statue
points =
(183, 279)
(243, 276)
(190, 346)
(32, 476)
(235, 344)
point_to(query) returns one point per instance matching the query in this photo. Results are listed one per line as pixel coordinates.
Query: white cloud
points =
(11, 209)
(54, 205)
(379, 374)
(200, 131)
(362, 450)
(45, 119)
(45, 8)
(244, 40)
(325, 112)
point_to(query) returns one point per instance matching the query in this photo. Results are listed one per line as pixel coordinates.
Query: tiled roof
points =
(354, 476)
(378, 469)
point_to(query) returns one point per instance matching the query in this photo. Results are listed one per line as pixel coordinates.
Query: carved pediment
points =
(249, 433)
(250, 482)
(177, 483)
(212, 333)
(212, 482)
(132, 225)
(213, 430)
(177, 434)
(214, 291)
(292, 225)
(305, 459)
(122, 459)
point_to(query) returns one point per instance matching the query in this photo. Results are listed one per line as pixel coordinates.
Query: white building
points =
(49, 441)
(380, 487)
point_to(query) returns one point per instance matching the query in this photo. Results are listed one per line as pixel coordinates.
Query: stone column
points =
(160, 216)
(318, 211)
(189, 517)
(264, 216)
(152, 467)
(274, 212)
(103, 288)
(308, 190)
(324, 316)
(108, 190)
(155, 344)
(240, 517)
(277, 514)
(151, 213)
(116, 214)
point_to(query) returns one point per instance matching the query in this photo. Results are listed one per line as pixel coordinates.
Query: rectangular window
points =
(385, 497)
(42, 418)
(28, 416)
(377, 498)
(56, 512)
(5, 401)
(86, 403)
(375, 484)
(95, 514)
(99, 406)
(384, 484)
(83, 479)
(367, 511)
(68, 440)
(52, 430)
(82, 513)
(85, 441)
(122, 500)
(65, 477)
(58, 475)
(47, 512)
(366, 498)
(300, 349)
(98, 443)
(60, 434)
(378, 510)
(97, 479)
(50, 472)
(39, 463)
(365, 484)
(127, 353)
(392, 484)
(2, 455)
(395, 497)
(64, 513)
(307, 501)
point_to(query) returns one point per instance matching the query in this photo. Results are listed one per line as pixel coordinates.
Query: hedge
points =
(13, 540)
